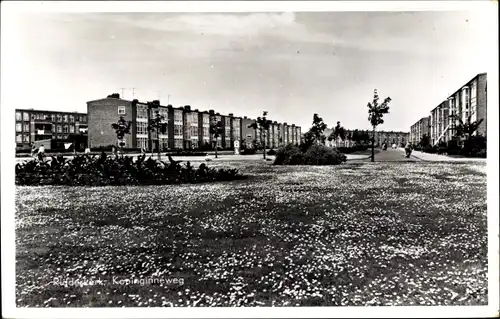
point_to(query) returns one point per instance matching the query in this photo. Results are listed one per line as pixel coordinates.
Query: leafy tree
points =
(338, 132)
(349, 137)
(262, 125)
(468, 128)
(308, 141)
(216, 130)
(317, 129)
(121, 127)
(425, 141)
(376, 113)
(156, 125)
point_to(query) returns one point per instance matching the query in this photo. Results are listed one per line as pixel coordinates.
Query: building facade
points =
(468, 102)
(388, 137)
(185, 128)
(419, 129)
(36, 125)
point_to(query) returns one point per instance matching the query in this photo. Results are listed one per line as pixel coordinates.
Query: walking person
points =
(408, 148)
(33, 149)
(41, 152)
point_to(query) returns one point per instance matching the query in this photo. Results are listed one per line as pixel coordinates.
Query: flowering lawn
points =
(354, 234)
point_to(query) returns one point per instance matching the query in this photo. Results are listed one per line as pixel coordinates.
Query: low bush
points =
(248, 151)
(430, 149)
(315, 155)
(322, 155)
(271, 152)
(85, 170)
(352, 149)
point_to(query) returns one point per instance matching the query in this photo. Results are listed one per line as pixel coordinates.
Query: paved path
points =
(394, 155)
(443, 158)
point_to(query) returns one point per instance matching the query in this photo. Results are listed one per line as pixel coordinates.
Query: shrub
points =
(84, 170)
(475, 146)
(271, 152)
(248, 151)
(352, 149)
(322, 155)
(453, 148)
(315, 155)
(289, 155)
(430, 149)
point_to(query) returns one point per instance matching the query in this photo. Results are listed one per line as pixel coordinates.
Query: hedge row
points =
(85, 170)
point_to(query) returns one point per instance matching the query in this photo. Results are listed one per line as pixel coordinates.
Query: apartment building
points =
(185, 128)
(36, 125)
(470, 100)
(439, 120)
(419, 129)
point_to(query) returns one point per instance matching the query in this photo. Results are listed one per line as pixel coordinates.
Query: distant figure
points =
(33, 149)
(41, 152)
(207, 158)
(87, 150)
(394, 146)
(408, 148)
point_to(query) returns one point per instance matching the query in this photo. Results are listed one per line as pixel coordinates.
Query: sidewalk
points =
(443, 158)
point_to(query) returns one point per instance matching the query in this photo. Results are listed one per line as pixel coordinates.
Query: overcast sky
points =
(289, 64)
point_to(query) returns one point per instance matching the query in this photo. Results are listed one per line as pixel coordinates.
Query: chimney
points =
(196, 110)
(187, 107)
(156, 102)
(285, 123)
(211, 111)
(230, 114)
(217, 113)
(244, 117)
(114, 96)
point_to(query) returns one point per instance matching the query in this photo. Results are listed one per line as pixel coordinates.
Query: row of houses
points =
(185, 128)
(388, 137)
(469, 102)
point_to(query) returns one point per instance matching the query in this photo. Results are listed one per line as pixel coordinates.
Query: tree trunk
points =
(264, 145)
(373, 145)
(158, 146)
(216, 147)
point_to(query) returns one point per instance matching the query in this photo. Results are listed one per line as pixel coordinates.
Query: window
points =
(18, 127)
(177, 129)
(177, 116)
(163, 143)
(65, 129)
(228, 121)
(71, 119)
(65, 118)
(26, 117)
(72, 129)
(19, 138)
(142, 128)
(194, 130)
(194, 119)
(59, 118)
(121, 110)
(178, 143)
(142, 142)
(26, 138)
(84, 118)
(205, 133)
(53, 117)
(142, 112)
(59, 129)
(26, 127)
(18, 116)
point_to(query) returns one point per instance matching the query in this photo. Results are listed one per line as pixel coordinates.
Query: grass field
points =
(355, 234)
